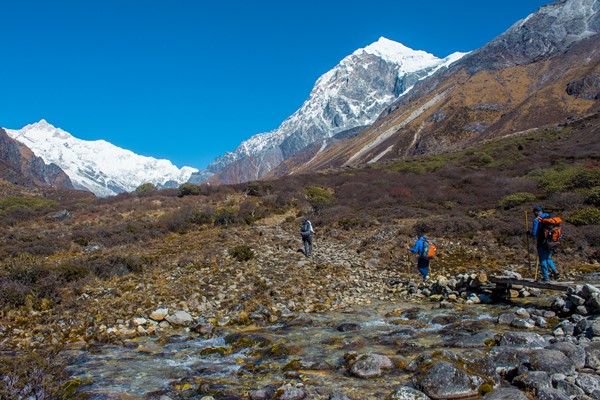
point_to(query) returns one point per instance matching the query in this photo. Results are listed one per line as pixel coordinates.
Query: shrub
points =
(187, 189)
(241, 252)
(202, 217)
(593, 197)
(516, 199)
(566, 177)
(225, 216)
(319, 198)
(71, 272)
(146, 188)
(115, 265)
(585, 216)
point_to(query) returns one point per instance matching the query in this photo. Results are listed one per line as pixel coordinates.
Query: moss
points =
(486, 388)
(222, 351)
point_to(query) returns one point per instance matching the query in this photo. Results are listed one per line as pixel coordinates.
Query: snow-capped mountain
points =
(97, 166)
(351, 95)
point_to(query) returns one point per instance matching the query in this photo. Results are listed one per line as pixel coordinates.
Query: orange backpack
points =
(429, 249)
(552, 231)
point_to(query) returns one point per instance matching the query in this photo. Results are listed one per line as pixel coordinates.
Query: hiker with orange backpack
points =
(542, 223)
(425, 248)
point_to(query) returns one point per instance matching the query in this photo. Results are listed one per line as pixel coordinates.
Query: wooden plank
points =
(551, 285)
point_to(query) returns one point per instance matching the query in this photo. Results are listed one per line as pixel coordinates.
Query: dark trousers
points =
(307, 245)
(423, 267)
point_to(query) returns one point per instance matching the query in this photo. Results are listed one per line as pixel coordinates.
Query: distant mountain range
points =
(98, 166)
(382, 102)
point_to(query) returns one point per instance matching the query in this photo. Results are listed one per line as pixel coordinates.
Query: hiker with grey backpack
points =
(307, 232)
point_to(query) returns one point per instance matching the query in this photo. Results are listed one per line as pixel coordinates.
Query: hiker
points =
(425, 249)
(544, 253)
(307, 233)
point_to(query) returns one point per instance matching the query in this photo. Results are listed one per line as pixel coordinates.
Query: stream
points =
(183, 362)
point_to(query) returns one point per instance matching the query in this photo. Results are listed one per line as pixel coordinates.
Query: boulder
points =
(444, 380)
(179, 318)
(588, 383)
(574, 352)
(407, 393)
(551, 361)
(522, 339)
(289, 392)
(535, 380)
(551, 394)
(508, 358)
(592, 357)
(505, 393)
(370, 366)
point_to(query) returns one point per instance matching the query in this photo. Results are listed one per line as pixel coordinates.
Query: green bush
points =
(563, 178)
(28, 203)
(241, 252)
(516, 199)
(187, 189)
(319, 198)
(593, 196)
(71, 272)
(585, 216)
(146, 188)
(225, 216)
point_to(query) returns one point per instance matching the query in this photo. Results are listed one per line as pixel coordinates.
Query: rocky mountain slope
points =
(20, 166)
(98, 166)
(542, 71)
(350, 96)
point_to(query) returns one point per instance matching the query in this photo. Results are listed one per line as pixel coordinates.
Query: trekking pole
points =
(537, 264)
(527, 240)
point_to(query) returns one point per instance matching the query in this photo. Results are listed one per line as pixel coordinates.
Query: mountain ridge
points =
(98, 166)
(351, 94)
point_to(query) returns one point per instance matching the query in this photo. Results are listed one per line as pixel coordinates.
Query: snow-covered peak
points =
(350, 95)
(43, 129)
(97, 166)
(397, 53)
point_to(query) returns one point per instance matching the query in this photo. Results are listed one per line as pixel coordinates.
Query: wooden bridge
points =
(507, 282)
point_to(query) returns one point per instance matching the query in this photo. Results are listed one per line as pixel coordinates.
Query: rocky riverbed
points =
(346, 323)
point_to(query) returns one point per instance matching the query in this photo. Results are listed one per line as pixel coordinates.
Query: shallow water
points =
(148, 365)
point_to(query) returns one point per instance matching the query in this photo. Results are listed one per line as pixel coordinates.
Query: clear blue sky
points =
(188, 80)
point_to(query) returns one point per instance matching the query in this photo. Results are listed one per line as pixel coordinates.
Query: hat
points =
(537, 208)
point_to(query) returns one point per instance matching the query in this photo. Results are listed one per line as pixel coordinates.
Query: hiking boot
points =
(556, 275)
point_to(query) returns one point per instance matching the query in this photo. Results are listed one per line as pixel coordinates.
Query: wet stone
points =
(533, 380)
(505, 393)
(444, 380)
(370, 366)
(551, 394)
(551, 361)
(407, 393)
(529, 339)
(574, 352)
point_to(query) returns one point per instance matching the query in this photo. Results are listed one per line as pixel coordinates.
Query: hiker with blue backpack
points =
(307, 232)
(425, 249)
(546, 230)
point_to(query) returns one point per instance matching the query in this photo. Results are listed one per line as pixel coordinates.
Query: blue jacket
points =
(418, 245)
(536, 230)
